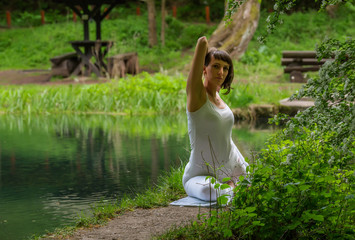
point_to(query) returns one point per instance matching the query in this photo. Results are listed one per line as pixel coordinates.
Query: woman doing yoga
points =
(210, 123)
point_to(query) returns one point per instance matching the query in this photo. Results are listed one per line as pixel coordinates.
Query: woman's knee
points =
(208, 192)
(201, 188)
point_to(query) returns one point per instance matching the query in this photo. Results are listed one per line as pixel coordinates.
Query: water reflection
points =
(52, 168)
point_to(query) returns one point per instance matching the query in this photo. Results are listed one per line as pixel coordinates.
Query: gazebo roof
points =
(81, 7)
(90, 2)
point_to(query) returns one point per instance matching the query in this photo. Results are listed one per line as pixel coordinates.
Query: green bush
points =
(297, 192)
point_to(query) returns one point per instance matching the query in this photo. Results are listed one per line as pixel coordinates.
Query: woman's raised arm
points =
(196, 93)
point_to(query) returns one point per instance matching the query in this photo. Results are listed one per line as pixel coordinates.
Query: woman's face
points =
(216, 71)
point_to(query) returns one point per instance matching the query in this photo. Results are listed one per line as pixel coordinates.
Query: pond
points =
(54, 168)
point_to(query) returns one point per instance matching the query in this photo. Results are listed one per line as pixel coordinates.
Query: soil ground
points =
(43, 77)
(140, 224)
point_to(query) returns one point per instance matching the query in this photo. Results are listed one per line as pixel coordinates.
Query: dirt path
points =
(40, 76)
(140, 224)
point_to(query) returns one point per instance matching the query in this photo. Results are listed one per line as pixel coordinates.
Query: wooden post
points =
(42, 17)
(208, 20)
(138, 11)
(107, 16)
(174, 11)
(74, 16)
(85, 18)
(8, 18)
(162, 32)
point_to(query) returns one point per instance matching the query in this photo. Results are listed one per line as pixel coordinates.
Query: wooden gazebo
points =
(91, 9)
(86, 49)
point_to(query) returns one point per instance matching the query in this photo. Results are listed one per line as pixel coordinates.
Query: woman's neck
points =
(212, 90)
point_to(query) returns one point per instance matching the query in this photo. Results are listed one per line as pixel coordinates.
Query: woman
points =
(210, 123)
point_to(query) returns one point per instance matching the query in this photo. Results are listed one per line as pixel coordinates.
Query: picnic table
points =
(298, 62)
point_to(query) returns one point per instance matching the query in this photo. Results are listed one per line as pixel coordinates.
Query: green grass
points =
(32, 47)
(245, 94)
(259, 76)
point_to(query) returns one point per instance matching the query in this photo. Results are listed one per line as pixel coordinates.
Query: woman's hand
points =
(202, 39)
(202, 42)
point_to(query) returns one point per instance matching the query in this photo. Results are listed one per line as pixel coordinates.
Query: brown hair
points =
(224, 56)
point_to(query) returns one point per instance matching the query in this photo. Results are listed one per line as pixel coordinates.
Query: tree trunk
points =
(152, 24)
(162, 33)
(235, 37)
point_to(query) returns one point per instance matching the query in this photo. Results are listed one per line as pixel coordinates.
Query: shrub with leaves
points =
(334, 93)
(303, 183)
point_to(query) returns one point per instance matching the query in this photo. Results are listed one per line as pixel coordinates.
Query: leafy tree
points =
(235, 37)
(333, 89)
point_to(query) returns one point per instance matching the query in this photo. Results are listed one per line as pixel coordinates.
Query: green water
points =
(53, 168)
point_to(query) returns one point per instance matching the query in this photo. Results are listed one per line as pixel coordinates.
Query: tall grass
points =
(141, 94)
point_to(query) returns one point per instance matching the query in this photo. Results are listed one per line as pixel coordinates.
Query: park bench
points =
(65, 64)
(298, 62)
(122, 64)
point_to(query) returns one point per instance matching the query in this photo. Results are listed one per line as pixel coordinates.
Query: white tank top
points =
(210, 133)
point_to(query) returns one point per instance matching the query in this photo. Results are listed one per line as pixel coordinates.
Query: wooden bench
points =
(122, 64)
(298, 62)
(65, 64)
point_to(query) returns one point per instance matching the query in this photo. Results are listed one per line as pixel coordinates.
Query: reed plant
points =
(141, 94)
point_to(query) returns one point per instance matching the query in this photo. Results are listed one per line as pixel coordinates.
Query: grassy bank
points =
(141, 94)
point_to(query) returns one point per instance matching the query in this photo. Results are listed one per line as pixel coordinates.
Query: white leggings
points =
(201, 188)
